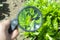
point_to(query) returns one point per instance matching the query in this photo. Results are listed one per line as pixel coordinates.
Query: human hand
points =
(4, 35)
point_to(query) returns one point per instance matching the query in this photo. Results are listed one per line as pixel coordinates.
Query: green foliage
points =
(28, 17)
(50, 10)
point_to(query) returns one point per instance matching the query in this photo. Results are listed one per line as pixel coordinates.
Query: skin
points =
(4, 35)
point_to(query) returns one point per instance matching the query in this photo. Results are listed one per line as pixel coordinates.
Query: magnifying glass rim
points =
(38, 12)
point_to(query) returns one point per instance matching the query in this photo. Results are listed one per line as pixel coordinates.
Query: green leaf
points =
(55, 24)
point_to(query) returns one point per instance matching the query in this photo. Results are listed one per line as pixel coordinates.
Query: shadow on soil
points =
(4, 10)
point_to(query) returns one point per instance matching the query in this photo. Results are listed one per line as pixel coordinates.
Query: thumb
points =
(14, 34)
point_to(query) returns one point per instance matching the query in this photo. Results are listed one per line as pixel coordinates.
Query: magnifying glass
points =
(29, 19)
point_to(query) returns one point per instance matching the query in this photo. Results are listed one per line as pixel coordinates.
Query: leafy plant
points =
(50, 10)
(28, 17)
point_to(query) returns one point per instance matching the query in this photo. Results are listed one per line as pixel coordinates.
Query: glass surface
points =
(30, 19)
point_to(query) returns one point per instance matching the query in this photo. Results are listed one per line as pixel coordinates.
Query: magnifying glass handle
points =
(13, 25)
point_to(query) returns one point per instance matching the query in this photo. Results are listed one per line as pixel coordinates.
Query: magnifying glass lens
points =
(30, 19)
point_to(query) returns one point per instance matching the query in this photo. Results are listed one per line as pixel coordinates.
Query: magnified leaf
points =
(28, 18)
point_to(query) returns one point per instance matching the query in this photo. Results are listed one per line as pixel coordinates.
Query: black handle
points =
(13, 25)
(10, 30)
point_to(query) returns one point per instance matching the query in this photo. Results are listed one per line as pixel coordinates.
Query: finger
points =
(6, 23)
(14, 34)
